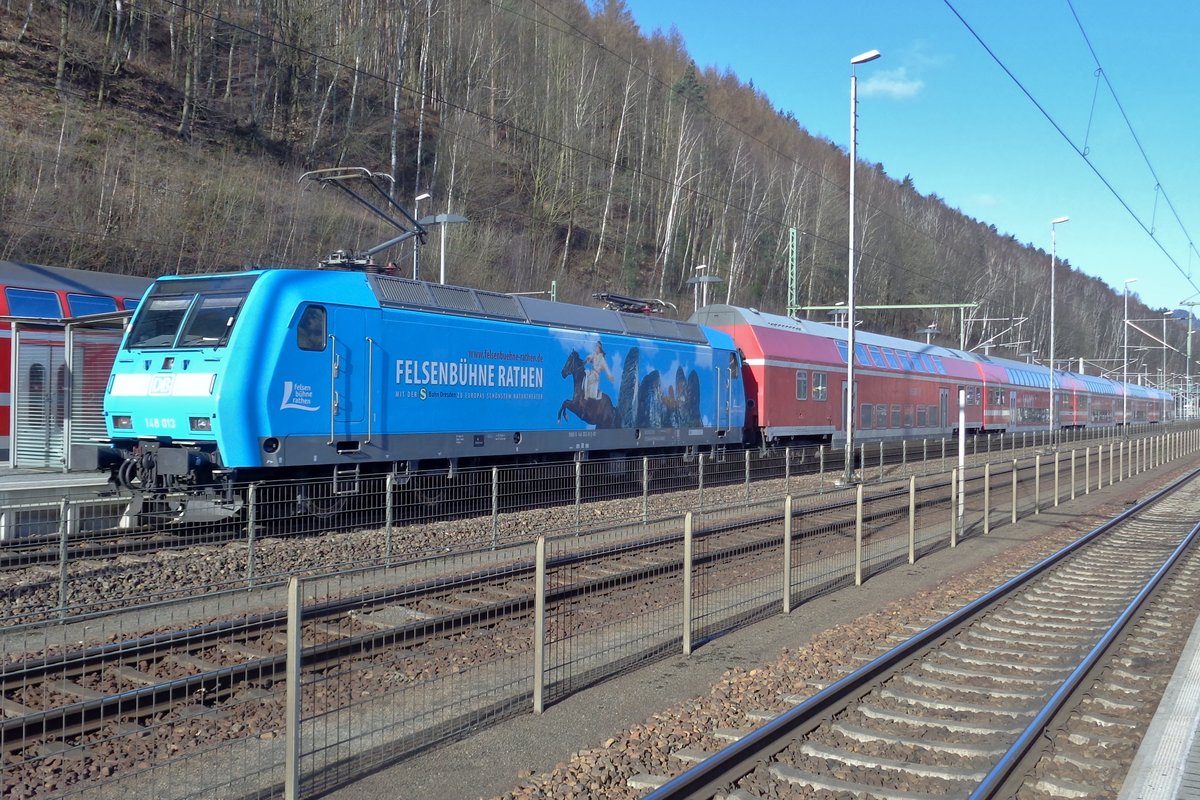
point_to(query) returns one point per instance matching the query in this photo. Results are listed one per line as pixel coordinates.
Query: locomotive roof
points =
(84, 281)
(397, 292)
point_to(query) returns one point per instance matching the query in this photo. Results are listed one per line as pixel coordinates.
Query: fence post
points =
(747, 480)
(1072, 474)
(539, 626)
(64, 509)
(787, 470)
(924, 456)
(1111, 463)
(821, 473)
(645, 489)
(858, 534)
(251, 534)
(495, 505)
(987, 498)
(1087, 469)
(700, 480)
(912, 519)
(389, 517)
(291, 773)
(578, 492)
(1037, 484)
(904, 455)
(1056, 479)
(787, 554)
(1015, 476)
(953, 507)
(880, 461)
(687, 584)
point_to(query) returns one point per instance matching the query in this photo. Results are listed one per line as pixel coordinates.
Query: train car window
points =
(905, 360)
(941, 368)
(310, 332)
(820, 386)
(896, 416)
(865, 420)
(881, 416)
(801, 384)
(934, 420)
(876, 356)
(861, 356)
(921, 416)
(843, 348)
(908, 416)
(890, 355)
(33, 303)
(83, 304)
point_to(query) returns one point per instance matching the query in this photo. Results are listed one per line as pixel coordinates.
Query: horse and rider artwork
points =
(640, 403)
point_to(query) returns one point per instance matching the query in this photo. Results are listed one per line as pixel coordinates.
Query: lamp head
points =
(1060, 220)
(863, 58)
(422, 196)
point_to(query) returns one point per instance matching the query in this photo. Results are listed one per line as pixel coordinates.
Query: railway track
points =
(961, 709)
(222, 673)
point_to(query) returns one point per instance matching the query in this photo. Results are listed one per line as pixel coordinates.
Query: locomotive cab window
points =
(189, 313)
(211, 321)
(310, 332)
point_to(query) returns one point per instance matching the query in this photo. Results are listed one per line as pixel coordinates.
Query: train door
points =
(721, 381)
(349, 364)
(726, 379)
(944, 406)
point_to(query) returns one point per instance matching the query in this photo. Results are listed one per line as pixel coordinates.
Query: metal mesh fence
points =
(428, 630)
(145, 704)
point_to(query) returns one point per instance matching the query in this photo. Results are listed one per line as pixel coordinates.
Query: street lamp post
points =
(417, 241)
(1125, 360)
(861, 58)
(1053, 223)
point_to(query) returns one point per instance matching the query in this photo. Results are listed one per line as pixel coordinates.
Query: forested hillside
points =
(159, 136)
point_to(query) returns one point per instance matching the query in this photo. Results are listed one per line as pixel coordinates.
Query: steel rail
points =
(724, 768)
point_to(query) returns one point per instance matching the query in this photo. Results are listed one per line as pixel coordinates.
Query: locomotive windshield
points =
(189, 313)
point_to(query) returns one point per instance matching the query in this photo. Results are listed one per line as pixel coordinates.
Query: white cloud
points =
(893, 83)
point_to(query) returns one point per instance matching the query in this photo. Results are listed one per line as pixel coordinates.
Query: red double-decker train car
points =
(795, 377)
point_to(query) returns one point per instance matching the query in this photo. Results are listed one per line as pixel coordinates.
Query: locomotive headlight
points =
(123, 423)
(200, 423)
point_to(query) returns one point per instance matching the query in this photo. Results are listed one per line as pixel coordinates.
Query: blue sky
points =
(938, 107)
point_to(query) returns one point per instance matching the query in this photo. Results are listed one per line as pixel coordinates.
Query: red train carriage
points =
(795, 377)
(29, 294)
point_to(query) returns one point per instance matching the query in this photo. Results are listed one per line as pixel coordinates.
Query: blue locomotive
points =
(229, 378)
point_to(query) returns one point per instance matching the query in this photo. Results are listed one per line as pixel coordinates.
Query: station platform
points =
(1167, 765)
(31, 501)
